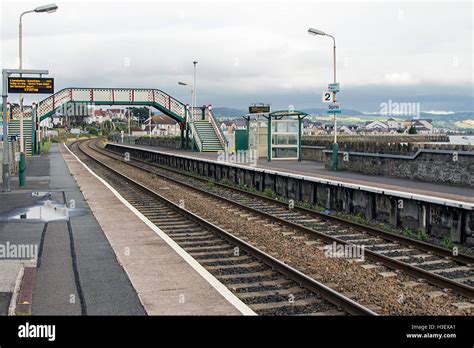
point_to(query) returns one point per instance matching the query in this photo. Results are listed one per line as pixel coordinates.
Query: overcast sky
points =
(251, 51)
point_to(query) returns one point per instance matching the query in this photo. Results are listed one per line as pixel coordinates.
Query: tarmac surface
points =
(78, 272)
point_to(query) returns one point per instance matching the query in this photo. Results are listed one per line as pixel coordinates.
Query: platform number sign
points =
(327, 97)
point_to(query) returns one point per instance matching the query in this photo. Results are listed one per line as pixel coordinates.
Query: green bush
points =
(269, 193)
(447, 242)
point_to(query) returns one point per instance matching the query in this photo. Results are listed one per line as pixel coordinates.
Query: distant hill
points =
(321, 111)
(457, 120)
(224, 111)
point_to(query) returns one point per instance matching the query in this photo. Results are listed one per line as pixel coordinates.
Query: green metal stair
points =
(208, 136)
(14, 130)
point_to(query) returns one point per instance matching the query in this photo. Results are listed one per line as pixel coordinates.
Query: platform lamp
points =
(335, 146)
(48, 9)
(191, 88)
(189, 116)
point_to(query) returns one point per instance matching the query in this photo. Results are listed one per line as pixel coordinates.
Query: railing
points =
(111, 96)
(197, 113)
(15, 112)
(194, 133)
(196, 136)
(217, 129)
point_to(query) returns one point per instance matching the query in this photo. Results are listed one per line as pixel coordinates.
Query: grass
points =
(226, 182)
(269, 193)
(46, 147)
(447, 242)
(422, 234)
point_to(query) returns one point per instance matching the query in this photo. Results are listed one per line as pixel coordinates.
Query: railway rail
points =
(265, 284)
(424, 261)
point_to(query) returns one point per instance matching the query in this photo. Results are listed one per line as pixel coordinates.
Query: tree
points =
(105, 132)
(108, 125)
(141, 113)
(93, 130)
(412, 130)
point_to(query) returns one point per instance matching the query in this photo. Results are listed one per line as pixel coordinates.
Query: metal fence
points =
(117, 138)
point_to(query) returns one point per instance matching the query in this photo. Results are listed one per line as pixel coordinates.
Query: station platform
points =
(313, 169)
(92, 254)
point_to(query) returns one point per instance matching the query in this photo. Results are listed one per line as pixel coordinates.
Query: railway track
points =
(267, 285)
(421, 260)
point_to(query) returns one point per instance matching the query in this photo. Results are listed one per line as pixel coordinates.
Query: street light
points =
(194, 90)
(47, 8)
(313, 31)
(188, 118)
(41, 9)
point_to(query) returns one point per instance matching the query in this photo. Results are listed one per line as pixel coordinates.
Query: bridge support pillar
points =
(187, 138)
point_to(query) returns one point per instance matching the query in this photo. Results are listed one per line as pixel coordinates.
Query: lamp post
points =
(48, 9)
(188, 118)
(194, 90)
(335, 146)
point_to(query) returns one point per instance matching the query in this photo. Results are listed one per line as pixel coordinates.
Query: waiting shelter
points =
(275, 135)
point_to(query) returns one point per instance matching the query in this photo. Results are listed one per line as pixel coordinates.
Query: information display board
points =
(31, 85)
(259, 109)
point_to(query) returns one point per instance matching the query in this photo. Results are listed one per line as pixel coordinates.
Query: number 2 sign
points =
(327, 97)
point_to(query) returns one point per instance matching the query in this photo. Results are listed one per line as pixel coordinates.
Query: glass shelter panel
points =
(285, 139)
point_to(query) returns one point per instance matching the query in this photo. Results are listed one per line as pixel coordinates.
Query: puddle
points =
(41, 194)
(45, 211)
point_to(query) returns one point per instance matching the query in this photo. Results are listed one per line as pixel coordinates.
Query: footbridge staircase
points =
(205, 132)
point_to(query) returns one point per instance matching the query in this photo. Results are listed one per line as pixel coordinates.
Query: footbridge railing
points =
(113, 96)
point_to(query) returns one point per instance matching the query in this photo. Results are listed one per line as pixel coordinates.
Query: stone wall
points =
(312, 153)
(441, 166)
(168, 142)
(439, 218)
(384, 145)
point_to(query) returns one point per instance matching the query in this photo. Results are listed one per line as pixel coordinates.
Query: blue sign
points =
(334, 109)
(333, 87)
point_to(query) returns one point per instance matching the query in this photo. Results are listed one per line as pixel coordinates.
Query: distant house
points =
(240, 123)
(380, 131)
(349, 129)
(230, 125)
(309, 127)
(163, 126)
(391, 126)
(375, 125)
(392, 123)
(137, 131)
(98, 116)
(423, 126)
(117, 114)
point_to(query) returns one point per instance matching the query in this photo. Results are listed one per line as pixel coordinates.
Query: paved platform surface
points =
(78, 272)
(316, 170)
(166, 284)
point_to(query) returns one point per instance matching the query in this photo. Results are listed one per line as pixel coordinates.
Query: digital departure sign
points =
(32, 85)
(259, 109)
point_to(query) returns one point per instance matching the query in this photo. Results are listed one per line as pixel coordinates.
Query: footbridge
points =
(200, 122)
